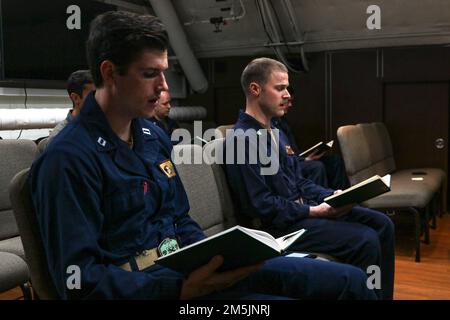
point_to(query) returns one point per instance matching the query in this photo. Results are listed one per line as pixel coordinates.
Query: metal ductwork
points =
(14, 119)
(178, 40)
(185, 114)
(45, 118)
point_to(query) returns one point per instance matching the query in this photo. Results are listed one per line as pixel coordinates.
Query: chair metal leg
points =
(26, 290)
(443, 200)
(435, 210)
(417, 224)
(433, 222)
(426, 225)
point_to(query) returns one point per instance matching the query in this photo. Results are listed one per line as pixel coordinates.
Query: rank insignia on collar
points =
(146, 131)
(101, 141)
(289, 150)
(168, 169)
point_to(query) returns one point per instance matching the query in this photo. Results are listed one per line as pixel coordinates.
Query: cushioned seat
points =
(404, 193)
(10, 241)
(13, 245)
(434, 178)
(13, 271)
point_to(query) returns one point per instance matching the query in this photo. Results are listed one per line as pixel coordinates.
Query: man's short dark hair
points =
(77, 80)
(259, 71)
(120, 36)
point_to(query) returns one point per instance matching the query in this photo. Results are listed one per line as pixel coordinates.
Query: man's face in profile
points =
(163, 109)
(138, 90)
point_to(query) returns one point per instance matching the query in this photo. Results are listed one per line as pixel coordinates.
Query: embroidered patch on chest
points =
(168, 169)
(289, 150)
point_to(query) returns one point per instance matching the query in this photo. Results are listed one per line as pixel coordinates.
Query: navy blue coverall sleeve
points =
(308, 188)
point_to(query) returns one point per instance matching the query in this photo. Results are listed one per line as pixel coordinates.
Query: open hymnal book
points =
(318, 148)
(239, 247)
(365, 190)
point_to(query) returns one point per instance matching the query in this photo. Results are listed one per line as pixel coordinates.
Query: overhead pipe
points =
(187, 113)
(47, 118)
(274, 35)
(178, 40)
(37, 118)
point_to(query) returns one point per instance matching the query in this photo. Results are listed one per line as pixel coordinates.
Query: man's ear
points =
(107, 71)
(255, 89)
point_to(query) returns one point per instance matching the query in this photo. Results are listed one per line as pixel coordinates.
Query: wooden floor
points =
(429, 279)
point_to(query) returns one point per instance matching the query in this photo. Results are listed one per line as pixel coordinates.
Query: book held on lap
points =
(239, 247)
(318, 148)
(360, 192)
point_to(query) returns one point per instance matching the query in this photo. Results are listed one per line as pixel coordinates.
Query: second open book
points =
(318, 148)
(239, 247)
(365, 190)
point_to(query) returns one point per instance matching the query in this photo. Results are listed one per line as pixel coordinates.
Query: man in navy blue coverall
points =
(284, 201)
(106, 204)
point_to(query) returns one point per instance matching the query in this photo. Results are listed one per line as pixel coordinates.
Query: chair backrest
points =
(366, 149)
(30, 234)
(355, 152)
(15, 155)
(213, 154)
(223, 130)
(43, 144)
(207, 198)
(386, 145)
(381, 155)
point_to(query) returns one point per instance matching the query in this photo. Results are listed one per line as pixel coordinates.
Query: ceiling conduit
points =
(272, 28)
(194, 73)
(37, 118)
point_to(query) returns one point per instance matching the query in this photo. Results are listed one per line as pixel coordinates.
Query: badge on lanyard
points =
(167, 246)
(168, 169)
(289, 150)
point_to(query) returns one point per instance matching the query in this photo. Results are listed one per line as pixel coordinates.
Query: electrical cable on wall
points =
(25, 103)
(271, 25)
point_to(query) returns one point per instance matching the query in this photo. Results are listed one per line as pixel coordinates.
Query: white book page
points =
(387, 180)
(287, 240)
(262, 236)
